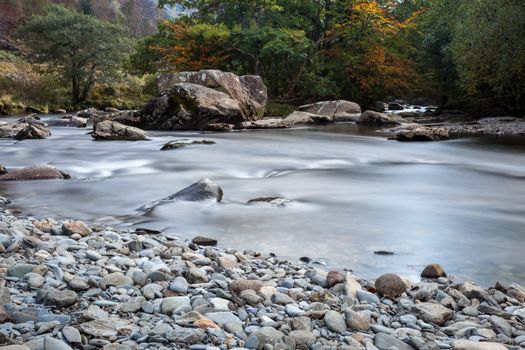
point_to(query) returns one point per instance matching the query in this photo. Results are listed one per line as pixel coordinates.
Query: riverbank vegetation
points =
(459, 54)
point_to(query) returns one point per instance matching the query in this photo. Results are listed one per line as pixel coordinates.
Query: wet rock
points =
(432, 313)
(44, 172)
(185, 142)
(110, 130)
(433, 271)
(395, 106)
(76, 227)
(220, 127)
(377, 119)
(390, 285)
(276, 201)
(421, 133)
(305, 118)
(204, 241)
(33, 131)
(202, 190)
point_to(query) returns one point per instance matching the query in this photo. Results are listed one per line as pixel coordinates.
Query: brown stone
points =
(78, 227)
(433, 271)
(205, 323)
(390, 285)
(333, 278)
(44, 172)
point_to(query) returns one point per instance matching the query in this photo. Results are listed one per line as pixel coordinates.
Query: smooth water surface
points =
(460, 203)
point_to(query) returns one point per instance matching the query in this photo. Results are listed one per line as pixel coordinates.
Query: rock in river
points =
(421, 133)
(33, 131)
(338, 110)
(185, 142)
(202, 190)
(377, 118)
(43, 172)
(193, 100)
(109, 130)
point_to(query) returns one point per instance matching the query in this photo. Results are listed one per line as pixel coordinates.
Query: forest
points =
(458, 54)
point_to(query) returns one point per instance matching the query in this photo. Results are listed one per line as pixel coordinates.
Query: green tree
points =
(488, 49)
(83, 48)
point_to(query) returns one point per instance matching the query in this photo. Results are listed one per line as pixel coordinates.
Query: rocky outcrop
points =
(109, 130)
(43, 172)
(194, 100)
(324, 112)
(339, 110)
(33, 131)
(373, 118)
(248, 90)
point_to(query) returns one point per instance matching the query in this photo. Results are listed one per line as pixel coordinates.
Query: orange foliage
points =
(187, 50)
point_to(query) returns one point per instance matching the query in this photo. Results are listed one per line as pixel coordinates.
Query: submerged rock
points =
(185, 142)
(276, 201)
(43, 172)
(109, 130)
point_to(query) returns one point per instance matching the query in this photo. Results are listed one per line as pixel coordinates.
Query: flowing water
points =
(460, 203)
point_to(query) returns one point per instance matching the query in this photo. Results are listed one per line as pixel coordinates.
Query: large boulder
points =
(248, 90)
(33, 131)
(109, 130)
(194, 100)
(339, 110)
(43, 172)
(377, 118)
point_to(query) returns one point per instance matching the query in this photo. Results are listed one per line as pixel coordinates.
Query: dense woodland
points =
(461, 54)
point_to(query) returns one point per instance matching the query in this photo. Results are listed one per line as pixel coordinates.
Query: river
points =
(460, 203)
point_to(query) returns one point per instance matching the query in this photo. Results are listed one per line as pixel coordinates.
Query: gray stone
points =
(432, 313)
(170, 304)
(72, 335)
(385, 341)
(335, 322)
(20, 270)
(357, 321)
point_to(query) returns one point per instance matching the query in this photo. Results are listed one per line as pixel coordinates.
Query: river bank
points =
(68, 285)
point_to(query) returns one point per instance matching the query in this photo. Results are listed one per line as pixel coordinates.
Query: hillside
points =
(140, 16)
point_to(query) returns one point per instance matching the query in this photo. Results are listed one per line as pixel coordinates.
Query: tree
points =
(83, 48)
(488, 50)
